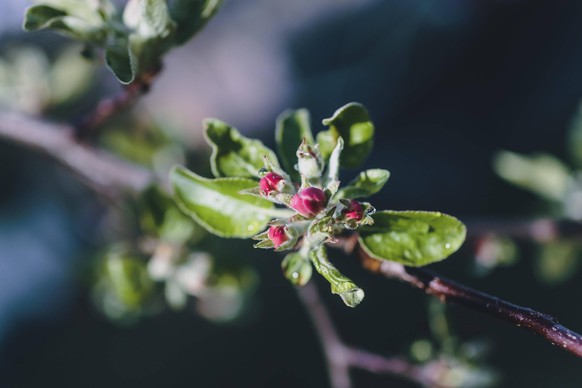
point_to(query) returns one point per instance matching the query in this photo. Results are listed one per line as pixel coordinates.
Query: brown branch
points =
(111, 107)
(449, 291)
(100, 170)
(341, 357)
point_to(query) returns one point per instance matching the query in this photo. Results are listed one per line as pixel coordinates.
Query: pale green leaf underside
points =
(218, 205)
(234, 155)
(413, 238)
(367, 183)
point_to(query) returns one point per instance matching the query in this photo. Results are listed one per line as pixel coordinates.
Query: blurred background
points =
(448, 83)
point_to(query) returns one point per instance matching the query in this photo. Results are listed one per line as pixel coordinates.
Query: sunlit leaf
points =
(367, 183)
(352, 122)
(219, 206)
(234, 155)
(412, 238)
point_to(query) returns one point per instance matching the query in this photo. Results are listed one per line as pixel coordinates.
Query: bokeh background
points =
(448, 83)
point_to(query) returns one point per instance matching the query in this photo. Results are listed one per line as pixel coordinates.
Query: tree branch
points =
(100, 170)
(341, 357)
(449, 291)
(539, 230)
(111, 107)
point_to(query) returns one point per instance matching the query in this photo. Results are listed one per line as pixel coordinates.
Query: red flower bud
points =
(309, 202)
(278, 235)
(270, 182)
(354, 211)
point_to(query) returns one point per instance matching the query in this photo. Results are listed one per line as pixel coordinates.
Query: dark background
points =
(447, 83)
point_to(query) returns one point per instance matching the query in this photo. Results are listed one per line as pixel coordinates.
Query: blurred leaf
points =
(575, 137)
(541, 174)
(159, 216)
(351, 294)
(292, 128)
(70, 76)
(367, 183)
(218, 205)
(412, 238)
(38, 17)
(351, 122)
(128, 279)
(85, 21)
(118, 61)
(234, 155)
(296, 269)
(557, 261)
(191, 15)
(152, 36)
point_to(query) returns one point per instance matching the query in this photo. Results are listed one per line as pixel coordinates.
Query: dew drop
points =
(447, 246)
(262, 172)
(295, 275)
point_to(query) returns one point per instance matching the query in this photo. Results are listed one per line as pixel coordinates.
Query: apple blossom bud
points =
(278, 235)
(354, 211)
(270, 182)
(309, 202)
(309, 163)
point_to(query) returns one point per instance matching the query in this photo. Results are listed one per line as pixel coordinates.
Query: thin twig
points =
(111, 107)
(341, 357)
(100, 170)
(449, 291)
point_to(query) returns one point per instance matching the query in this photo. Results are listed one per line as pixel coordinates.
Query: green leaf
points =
(118, 61)
(218, 205)
(292, 128)
(297, 269)
(38, 16)
(413, 238)
(540, 173)
(351, 122)
(81, 21)
(152, 36)
(234, 155)
(191, 16)
(367, 183)
(351, 294)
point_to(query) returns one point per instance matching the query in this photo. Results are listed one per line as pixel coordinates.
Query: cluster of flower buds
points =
(316, 215)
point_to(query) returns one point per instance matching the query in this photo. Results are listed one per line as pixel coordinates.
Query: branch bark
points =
(111, 107)
(449, 291)
(100, 170)
(341, 357)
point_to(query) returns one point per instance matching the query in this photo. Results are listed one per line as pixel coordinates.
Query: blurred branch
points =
(341, 357)
(102, 171)
(449, 291)
(111, 107)
(540, 230)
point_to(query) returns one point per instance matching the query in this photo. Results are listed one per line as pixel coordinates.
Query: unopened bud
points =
(354, 211)
(278, 235)
(309, 202)
(271, 182)
(309, 164)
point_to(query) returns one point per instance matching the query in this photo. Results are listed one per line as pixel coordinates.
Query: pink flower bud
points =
(270, 182)
(278, 235)
(354, 211)
(309, 202)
